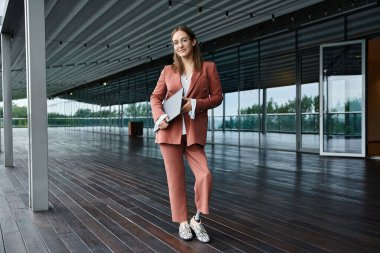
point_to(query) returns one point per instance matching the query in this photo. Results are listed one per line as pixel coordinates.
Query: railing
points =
(281, 122)
(98, 121)
(339, 123)
(343, 123)
(16, 122)
(310, 123)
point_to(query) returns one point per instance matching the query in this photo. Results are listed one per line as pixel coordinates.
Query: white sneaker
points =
(199, 230)
(185, 232)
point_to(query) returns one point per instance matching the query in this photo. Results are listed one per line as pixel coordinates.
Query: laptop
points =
(172, 106)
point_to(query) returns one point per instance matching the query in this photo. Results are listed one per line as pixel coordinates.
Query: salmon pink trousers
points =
(175, 171)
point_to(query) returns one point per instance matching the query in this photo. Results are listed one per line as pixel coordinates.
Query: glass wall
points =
(230, 135)
(270, 87)
(216, 126)
(280, 118)
(250, 118)
(310, 116)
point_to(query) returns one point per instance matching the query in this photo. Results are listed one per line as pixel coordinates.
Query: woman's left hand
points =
(187, 105)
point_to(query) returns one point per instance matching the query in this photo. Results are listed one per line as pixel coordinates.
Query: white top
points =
(185, 81)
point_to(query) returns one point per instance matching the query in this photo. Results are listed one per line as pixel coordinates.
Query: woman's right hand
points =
(164, 123)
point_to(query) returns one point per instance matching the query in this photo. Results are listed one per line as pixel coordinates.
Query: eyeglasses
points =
(182, 41)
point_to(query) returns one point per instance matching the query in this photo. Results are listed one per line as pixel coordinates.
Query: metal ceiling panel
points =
(87, 40)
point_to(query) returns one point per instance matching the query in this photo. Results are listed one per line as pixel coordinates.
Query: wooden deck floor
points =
(108, 194)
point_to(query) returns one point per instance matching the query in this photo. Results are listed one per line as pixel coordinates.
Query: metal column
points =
(7, 98)
(37, 104)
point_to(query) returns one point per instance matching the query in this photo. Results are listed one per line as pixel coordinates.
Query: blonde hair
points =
(178, 63)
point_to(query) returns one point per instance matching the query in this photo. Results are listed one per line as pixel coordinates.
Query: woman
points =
(185, 135)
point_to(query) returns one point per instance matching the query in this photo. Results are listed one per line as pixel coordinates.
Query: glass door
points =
(342, 103)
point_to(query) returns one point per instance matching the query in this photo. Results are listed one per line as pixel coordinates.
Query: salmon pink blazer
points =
(204, 86)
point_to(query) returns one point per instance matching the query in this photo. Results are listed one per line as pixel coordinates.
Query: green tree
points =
(316, 103)
(353, 105)
(134, 110)
(271, 106)
(306, 104)
(103, 113)
(53, 115)
(83, 113)
(288, 107)
(254, 109)
(19, 111)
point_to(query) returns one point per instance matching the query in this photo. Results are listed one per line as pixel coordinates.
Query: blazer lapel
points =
(176, 77)
(194, 79)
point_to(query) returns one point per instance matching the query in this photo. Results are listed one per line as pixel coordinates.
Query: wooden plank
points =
(95, 208)
(18, 218)
(145, 225)
(84, 233)
(237, 242)
(7, 220)
(271, 201)
(52, 240)
(173, 230)
(32, 240)
(74, 243)
(84, 211)
(105, 204)
(14, 243)
(246, 239)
